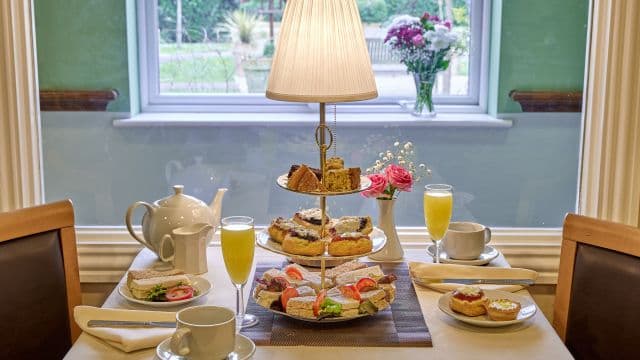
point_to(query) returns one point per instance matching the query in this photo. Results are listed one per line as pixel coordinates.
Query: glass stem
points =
(239, 306)
(437, 259)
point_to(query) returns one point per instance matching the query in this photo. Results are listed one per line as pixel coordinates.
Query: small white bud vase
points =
(392, 251)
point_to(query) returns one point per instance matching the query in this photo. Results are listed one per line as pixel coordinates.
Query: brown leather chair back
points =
(596, 311)
(39, 273)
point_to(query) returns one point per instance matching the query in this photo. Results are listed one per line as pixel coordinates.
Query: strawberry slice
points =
(366, 284)
(350, 291)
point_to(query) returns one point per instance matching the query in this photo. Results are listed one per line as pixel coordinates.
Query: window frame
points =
(151, 101)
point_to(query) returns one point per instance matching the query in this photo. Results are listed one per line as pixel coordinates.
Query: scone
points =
(279, 228)
(303, 242)
(502, 309)
(353, 243)
(468, 300)
(311, 219)
(346, 224)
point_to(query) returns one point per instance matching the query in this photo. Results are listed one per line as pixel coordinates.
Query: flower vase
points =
(392, 250)
(423, 107)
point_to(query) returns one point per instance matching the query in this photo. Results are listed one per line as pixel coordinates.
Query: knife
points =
(128, 324)
(480, 281)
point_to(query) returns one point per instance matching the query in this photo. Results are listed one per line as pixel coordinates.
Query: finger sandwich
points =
(141, 288)
(377, 297)
(352, 277)
(301, 306)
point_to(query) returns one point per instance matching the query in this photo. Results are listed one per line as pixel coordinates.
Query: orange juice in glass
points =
(238, 239)
(438, 206)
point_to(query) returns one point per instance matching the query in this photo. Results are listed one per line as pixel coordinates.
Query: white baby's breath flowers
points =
(404, 156)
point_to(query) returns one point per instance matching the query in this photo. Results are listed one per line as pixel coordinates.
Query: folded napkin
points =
(428, 275)
(125, 339)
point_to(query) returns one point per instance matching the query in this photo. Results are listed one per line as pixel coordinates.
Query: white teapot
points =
(172, 212)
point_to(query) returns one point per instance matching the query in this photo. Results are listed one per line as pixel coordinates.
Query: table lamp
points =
(321, 56)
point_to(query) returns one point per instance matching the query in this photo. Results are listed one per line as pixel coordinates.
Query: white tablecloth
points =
(535, 339)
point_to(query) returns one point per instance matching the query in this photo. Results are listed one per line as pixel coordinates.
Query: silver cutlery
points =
(479, 281)
(128, 324)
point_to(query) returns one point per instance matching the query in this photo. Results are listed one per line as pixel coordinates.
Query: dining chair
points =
(596, 306)
(40, 282)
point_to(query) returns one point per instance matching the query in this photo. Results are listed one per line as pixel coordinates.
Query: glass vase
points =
(392, 250)
(423, 107)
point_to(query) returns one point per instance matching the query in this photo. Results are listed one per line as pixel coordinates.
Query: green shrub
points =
(269, 49)
(200, 18)
(373, 11)
(242, 24)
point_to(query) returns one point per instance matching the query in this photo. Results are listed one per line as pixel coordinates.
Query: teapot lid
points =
(179, 199)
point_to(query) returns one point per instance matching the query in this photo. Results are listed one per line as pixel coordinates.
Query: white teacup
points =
(204, 332)
(465, 240)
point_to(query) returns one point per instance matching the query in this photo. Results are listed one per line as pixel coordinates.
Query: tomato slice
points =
(178, 293)
(319, 299)
(287, 294)
(293, 272)
(366, 284)
(350, 291)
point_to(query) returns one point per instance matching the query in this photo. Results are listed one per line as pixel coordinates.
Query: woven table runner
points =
(401, 325)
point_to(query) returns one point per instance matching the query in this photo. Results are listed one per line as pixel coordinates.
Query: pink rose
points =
(447, 24)
(378, 185)
(418, 40)
(399, 177)
(425, 16)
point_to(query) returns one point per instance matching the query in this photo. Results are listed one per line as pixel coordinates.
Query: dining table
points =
(532, 339)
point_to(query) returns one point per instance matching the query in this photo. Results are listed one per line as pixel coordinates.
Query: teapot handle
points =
(130, 227)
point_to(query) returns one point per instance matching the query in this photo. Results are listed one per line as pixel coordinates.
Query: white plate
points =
(201, 284)
(244, 350)
(264, 241)
(487, 255)
(364, 185)
(527, 310)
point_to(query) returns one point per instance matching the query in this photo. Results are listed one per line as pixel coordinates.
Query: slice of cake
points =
(354, 177)
(304, 180)
(335, 163)
(338, 180)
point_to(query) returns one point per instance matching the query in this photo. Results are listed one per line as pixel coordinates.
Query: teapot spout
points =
(216, 207)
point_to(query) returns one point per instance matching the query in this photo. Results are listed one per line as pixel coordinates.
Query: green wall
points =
(82, 44)
(542, 47)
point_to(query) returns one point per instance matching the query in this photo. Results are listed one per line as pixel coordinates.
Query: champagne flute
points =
(438, 206)
(238, 246)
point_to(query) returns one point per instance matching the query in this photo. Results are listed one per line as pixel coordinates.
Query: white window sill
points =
(292, 119)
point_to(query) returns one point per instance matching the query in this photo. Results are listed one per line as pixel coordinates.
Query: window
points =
(215, 55)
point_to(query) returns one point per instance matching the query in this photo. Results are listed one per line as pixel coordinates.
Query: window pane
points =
(225, 47)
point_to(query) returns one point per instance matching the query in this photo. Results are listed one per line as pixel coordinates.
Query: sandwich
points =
(148, 274)
(301, 306)
(344, 268)
(162, 288)
(352, 277)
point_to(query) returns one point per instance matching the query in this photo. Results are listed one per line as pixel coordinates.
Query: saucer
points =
(487, 255)
(244, 350)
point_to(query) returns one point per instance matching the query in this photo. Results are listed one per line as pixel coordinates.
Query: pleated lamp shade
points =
(321, 54)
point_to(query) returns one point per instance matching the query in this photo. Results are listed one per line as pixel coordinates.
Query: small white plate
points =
(527, 310)
(378, 238)
(487, 255)
(199, 283)
(244, 350)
